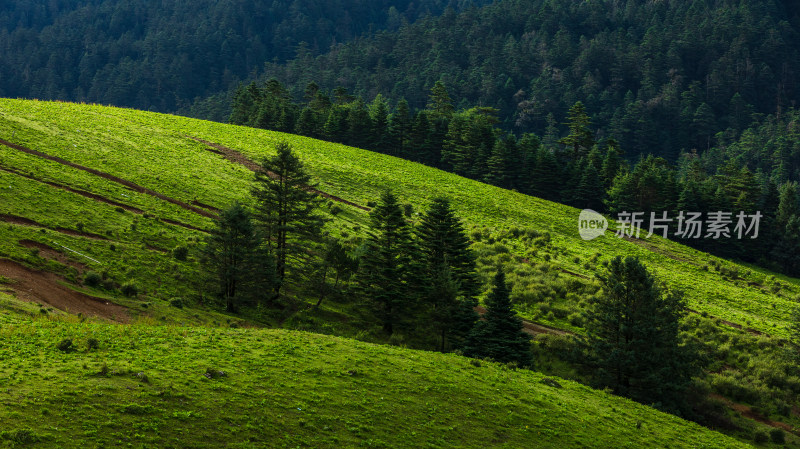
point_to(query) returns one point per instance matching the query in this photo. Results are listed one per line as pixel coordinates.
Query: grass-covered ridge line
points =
(164, 385)
(160, 153)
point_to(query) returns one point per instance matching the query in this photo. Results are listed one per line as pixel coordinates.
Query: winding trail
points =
(236, 157)
(131, 185)
(22, 221)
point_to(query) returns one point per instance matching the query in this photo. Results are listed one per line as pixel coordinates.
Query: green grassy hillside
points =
(162, 183)
(167, 386)
(96, 204)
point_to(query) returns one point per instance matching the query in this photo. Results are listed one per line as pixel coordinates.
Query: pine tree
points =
(589, 193)
(307, 123)
(389, 277)
(335, 128)
(503, 164)
(233, 259)
(546, 180)
(359, 125)
(400, 129)
(245, 105)
(443, 241)
(445, 251)
(581, 137)
(439, 102)
(379, 117)
(612, 163)
(335, 263)
(632, 337)
(499, 335)
(287, 211)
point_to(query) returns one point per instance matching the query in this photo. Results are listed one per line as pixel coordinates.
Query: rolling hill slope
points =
(91, 189)
(115, 191)
(191, 387)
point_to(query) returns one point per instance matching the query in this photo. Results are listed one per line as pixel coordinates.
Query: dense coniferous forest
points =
(163, 55)
(661, 77)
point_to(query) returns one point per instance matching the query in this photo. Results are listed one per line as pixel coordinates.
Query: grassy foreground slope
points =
(209, 387)
(128, 233)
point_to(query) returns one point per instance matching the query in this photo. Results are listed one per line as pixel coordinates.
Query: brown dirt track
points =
(47, 288)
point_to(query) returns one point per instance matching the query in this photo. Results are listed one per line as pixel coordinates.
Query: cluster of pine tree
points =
(575, 169)
(418, 280)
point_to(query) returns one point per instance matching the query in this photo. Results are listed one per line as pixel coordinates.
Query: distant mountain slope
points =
(124, 188)
(660, 77)
(162, 55)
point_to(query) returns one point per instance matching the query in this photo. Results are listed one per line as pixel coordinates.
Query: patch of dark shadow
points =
(184, 225)
(84, 193)
(131, 185)
(236, 157)
(205, 206)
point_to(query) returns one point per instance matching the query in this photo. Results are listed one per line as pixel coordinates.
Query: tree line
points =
(419, 280)
(568, 164)
(416, 281)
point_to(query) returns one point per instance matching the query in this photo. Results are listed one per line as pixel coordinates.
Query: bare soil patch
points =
(47, 288)
(48, 252)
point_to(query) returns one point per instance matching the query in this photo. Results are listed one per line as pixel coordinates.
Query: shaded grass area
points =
(205, 387)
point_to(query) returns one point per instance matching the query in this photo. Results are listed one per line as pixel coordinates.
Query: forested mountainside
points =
(657, 76)
(161, 55)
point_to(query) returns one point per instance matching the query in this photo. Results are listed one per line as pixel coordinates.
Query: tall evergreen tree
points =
(287, 211)
(445, 251)
(400, 130)
(439, 102)
(379, 117)
(633, 340)
(389, 277)
(546, 181)
(581, 137)
(499, 335)
(234, 260)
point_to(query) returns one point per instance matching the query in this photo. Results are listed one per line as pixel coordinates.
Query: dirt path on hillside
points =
(46, 288)
(118, 180)
(728, 323)
(748, 412)
(22, 221)
(532, 328)
(84, 193)
(103, 199)
(50, 253)
(238, 158)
